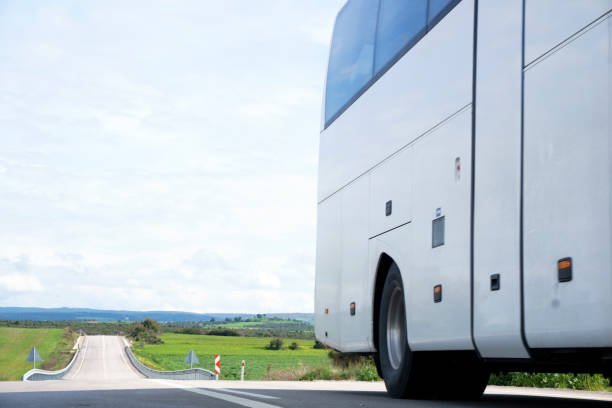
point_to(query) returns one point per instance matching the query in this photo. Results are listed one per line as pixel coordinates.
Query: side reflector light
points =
(437, 293)
(564, 269)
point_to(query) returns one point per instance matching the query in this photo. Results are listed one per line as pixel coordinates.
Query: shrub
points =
(222, 332)
(152, 339)
(191, 330)
(294, 346)
(146, 331)
(151, 326)
(318, 373)
(346, 360)
(367, 372)
(319, 345)
(289, 374)
(275, 344)
(69, 334)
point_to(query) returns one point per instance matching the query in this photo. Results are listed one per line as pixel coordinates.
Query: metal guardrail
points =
(189, 374)
(36, 374)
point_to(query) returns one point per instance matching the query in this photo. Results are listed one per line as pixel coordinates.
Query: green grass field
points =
(242, 325)
(171, 354)
(15, 344)
(266, 325)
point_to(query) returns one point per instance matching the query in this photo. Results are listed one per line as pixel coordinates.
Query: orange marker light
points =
(326, 311)
(564, 270)
(437, 295)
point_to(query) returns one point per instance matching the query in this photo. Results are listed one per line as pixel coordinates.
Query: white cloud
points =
(268, 279)
(17, 282)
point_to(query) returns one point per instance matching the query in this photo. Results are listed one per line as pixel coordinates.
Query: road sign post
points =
(34, 357)
(242, 371)
(191, 359)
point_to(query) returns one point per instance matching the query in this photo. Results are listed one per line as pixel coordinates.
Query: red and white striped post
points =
(217, 365)
(242, 371)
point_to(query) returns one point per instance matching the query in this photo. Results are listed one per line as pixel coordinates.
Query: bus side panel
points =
(567, 194)
(355, 288)
(441, 191)
(548, 22)
(390, 187)
(328, 272)
(497, 191)
(428, 84)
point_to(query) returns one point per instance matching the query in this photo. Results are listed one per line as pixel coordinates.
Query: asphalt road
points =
(102, 358)
(103, 377)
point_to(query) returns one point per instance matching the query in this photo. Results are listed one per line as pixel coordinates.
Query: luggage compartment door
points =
(567, 191)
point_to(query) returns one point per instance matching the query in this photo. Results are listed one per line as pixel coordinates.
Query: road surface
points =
(102, 358)
(103, 377)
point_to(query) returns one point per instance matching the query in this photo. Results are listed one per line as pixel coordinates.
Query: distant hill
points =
(66, 313)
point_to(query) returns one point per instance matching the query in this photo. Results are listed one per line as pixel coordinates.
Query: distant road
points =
(102, 358)
(103, 377)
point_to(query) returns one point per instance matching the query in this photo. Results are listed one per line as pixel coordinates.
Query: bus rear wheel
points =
(405, 373)
(423, 375)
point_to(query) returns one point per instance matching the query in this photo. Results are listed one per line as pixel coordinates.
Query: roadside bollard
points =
(217, 366)
(242, 371)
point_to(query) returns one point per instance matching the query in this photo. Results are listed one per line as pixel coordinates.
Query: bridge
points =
(102, 376)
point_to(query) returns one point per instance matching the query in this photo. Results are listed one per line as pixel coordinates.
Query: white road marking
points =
(122, 346)
(229, 398)
(248, 394)
(122, 351)
(85, 342)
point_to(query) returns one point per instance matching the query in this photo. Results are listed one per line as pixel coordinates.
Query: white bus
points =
(465, 190)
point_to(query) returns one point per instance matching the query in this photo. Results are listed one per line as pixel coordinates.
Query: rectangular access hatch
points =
(437, 233)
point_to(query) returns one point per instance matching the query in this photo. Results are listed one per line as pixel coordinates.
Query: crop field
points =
(258, 360)
(15, 344)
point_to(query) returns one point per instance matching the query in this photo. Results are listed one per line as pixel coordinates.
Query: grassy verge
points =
(53, 345)
(258, 360)
(594, 382)
(261, 363)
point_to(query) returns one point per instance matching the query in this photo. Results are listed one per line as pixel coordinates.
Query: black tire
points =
(405, 373)
(377, 363)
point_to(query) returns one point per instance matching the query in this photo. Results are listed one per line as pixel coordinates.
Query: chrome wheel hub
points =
(396, 328)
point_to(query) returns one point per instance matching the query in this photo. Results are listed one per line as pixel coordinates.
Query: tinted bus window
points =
(399, 23)
(352, 53)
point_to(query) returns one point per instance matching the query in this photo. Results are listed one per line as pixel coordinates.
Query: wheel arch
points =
(382, 269)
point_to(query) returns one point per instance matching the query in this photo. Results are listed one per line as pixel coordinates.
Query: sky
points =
(161, 155)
